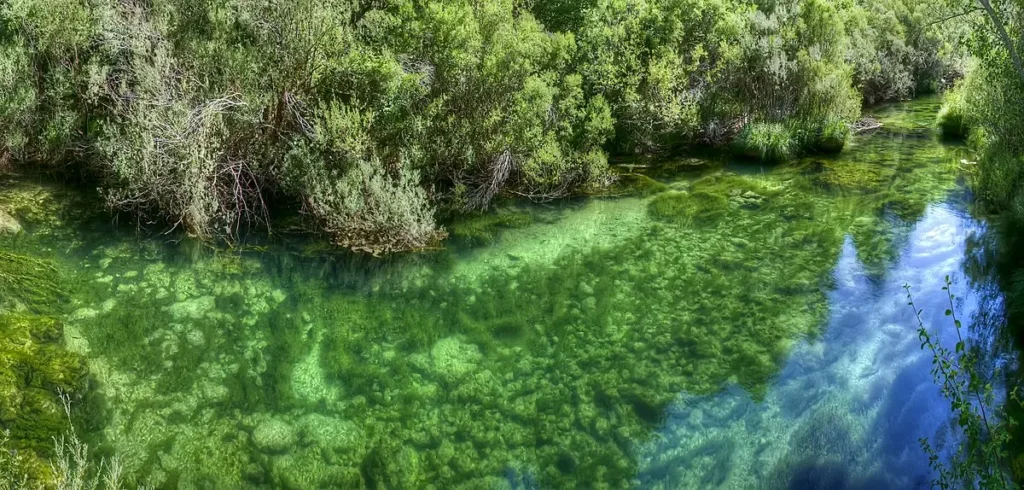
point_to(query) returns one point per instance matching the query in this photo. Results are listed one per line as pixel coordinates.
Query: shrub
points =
(982, 456)
(793, 65)
(349, 192)
(657, 63)
(504, 110)
(164, 150)
(191, 113)
(17, 100)
(899, 51)
(1001, 172)
(72, 467)
(42, 43)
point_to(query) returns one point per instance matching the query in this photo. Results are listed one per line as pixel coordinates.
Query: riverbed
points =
(744, 326)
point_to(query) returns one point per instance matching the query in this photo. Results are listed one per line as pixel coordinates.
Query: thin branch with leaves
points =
(979, 462)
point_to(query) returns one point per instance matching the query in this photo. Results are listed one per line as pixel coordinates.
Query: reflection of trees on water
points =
(993, 270)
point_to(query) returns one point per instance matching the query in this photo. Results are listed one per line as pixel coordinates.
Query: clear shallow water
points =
(764, 343)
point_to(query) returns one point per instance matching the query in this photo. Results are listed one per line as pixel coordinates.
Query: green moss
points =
(709, 199)
(907, 117)
(845, 175)
(770, 142)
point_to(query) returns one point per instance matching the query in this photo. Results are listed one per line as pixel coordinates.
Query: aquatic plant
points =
(697, 207)
(27, 282)
(545, 368)
(832, 136)
(634, 184)
(822, 453)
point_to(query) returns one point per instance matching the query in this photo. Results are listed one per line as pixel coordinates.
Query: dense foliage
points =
(373, 117)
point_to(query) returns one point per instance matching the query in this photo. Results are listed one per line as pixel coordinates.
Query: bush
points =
(16, 102)
(345, 186)
(191, 114)
(71, 468)
(658, 63)
(899, 51)
(504, 110)
(40, 45)
(164, 149)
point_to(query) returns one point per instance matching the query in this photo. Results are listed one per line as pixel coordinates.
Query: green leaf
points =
(949, 312)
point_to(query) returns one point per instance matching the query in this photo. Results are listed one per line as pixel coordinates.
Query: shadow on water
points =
(742, 327)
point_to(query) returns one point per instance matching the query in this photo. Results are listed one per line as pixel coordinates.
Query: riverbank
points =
(373, 121)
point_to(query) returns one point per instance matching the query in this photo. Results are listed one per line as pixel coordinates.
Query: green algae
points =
(35, 370)
(697, 208)
(710, 198)
(28, 283)
(911, 119)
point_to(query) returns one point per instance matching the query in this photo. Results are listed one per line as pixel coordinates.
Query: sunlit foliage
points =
(206, 115)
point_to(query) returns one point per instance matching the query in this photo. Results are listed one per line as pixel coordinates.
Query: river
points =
(746, 327)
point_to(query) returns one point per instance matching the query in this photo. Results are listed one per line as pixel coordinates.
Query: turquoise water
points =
(762, 342)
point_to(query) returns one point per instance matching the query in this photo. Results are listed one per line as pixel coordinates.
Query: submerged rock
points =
(193, 308)
(274, 436)
(305, 468)
(452, 358)
(8, 225)
(330, 433)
